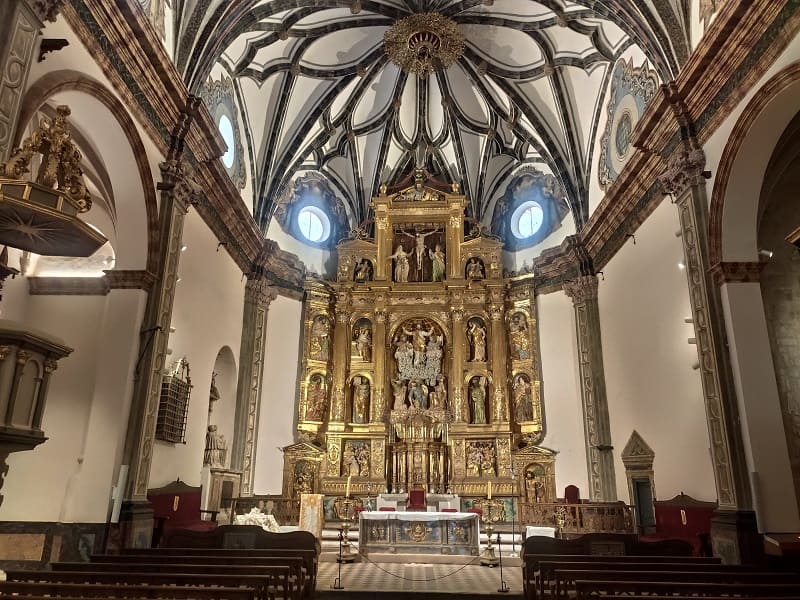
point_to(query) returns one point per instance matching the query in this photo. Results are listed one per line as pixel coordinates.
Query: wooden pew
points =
(301, 576)
(532, 580)
(593, 589)
(290, 576)
(98, 590)
(264, 585)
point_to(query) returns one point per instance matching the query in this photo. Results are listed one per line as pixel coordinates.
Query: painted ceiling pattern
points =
(318, 92)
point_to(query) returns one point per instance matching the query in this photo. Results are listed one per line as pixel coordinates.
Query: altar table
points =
(419, 533)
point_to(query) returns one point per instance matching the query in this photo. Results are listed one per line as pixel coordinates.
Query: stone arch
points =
(737, 188)
(59, 82)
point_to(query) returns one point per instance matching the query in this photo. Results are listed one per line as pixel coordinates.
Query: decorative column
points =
(258, 296)
(378, 408)
(456, 348)
(597, 428)
(21, 21)
(684, 181)
(341, 349)
(496, 311)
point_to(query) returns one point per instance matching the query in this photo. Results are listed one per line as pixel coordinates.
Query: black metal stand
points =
(503, 585)
(337, 583)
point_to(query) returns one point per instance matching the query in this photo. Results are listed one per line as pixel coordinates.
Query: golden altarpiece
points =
(420, 364)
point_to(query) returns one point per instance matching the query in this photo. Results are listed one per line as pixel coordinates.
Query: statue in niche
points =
(316, 399)
(418, 342)
(438, 260)
(362, 337)
(399, 392)
(361, 391)
(400, 257)
(418, 350)
(355, 459)
(518, 337)
(363, 271)
(523, 400)
(534, 483)
(477, 340)
(319, 348)
(303, 478)
(438, 397)
(420, 248)
(216, 448)
(417, 394)
(477, 400)
(475, 269)
(480, 459)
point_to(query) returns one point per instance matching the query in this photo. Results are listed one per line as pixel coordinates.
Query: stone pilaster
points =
(20, 23)
(257, 298)
(684, 181)
(597, 427)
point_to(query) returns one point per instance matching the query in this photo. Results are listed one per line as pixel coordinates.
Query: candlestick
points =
(347, 491)
(488, 490)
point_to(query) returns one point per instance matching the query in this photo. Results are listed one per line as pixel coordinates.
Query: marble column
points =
(684, 181)
(258, 296)
(596, 424)
(20, 23)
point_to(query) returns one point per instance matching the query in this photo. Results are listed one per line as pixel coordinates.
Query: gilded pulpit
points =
(420, 362)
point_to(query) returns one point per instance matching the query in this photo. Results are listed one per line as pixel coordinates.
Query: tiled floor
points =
(393, 579)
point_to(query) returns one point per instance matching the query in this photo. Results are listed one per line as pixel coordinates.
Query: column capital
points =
(683, 171)
(260, 290)
(183, 188)
(582, 288)
(46, 10)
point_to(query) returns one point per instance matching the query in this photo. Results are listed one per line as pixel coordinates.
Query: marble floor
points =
(417, 580)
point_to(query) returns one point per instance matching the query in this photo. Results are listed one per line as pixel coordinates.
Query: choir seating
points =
(177, 506)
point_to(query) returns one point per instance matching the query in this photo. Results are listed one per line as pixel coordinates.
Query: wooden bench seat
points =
(587, 589)
(267, 586)
(98, 590)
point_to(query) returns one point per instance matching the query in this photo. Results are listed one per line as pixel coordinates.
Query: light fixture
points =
(178, 280)
(765, 253)
(424, 43)
(692, 341)
(681, 265)
(688, 320)
(184, 247)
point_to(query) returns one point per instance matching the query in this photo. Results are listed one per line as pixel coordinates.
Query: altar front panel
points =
(419, 533)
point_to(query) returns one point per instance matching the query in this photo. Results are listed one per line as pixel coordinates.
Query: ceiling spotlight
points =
(178, 280)
(184, 247)
(681, 265)
(765, 253)
(691, 341)
(688, 320)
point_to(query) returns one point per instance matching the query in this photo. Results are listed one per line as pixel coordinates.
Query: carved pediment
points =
(357, 246)
(304, 450)
(482, 244)
(637, 452)
(535, 452)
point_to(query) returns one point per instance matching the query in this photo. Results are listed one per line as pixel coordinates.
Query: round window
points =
(527, 219)
(314, 224)
(226, 131)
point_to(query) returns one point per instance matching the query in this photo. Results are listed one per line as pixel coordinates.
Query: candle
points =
(347, 492)
(488, 490)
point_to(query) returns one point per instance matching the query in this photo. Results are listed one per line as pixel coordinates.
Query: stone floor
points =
(417, 580)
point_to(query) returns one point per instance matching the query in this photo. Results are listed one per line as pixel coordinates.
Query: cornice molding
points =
(737, 272)
(68, 286)
(121, 279)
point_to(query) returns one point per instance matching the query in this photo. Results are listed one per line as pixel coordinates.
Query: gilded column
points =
(341, 350)
(498, 356)
(684, 181)
(21, 21)
(457, 363)
(258, 296)
(378, 409)
(597, 428)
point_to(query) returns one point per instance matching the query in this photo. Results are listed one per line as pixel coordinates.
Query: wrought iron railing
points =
(285, 510)
(579, 518)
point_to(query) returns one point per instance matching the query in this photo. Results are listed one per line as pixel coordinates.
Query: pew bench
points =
(592, 589)
(99, 590)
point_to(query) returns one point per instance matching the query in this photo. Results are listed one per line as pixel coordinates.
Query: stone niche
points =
(27, 361)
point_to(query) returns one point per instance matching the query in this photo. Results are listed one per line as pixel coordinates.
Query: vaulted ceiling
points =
(319, 93)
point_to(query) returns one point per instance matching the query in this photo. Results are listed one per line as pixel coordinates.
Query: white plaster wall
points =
(651, 385)
(278, 393)
(316, 260)
(561, 391)
(207, 315)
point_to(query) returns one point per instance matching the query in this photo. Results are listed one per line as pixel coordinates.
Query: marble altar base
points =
(419, 533)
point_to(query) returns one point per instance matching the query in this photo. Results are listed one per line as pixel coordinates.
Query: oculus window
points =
(226, 131)
(527, 220)
(314, 224)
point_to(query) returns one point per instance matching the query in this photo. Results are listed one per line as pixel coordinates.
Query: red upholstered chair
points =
(477, 511)
(416, 500)
(449, 510)
(177, 506)
(572, 494)
(387, 509)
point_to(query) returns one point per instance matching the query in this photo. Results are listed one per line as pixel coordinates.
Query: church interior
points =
(409, 289)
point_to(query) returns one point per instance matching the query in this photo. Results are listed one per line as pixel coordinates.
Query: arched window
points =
(314, 224)
(527, 219)
(226, 131)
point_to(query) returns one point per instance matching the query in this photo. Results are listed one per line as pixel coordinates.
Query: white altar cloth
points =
(531, 531)
(416, 516)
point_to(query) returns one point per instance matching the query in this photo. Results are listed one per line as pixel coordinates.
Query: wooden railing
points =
(579, 518)
(285, 510)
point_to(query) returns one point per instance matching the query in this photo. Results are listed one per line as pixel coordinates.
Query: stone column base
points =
(135, 525)
(735, 537)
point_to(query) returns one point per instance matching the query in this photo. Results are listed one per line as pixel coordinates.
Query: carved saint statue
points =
(350, 462)
(477, 339)
(475, 269)
(518, 337)
(477, 400)
(316, 398)
(216, 447)
(360, 399)
(363, 271)
(420, 248)
(320, 338)
(438, 397)
(417, 394)
(418, 342)
(523, 401)
(399, 391)
(363, 341)
(400, 257)
(437, 257)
